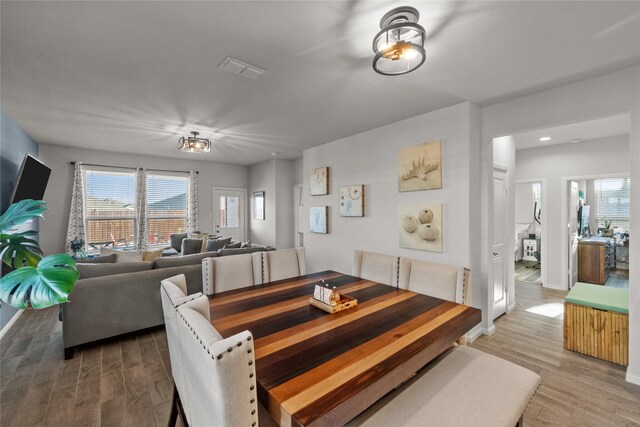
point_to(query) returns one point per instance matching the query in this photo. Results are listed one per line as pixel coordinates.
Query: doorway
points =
(499, 240)
(529, 231)
(229, 212)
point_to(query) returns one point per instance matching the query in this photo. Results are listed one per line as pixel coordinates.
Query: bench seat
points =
(465, 387)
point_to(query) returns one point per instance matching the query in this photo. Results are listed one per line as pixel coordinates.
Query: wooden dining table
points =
(314, 368)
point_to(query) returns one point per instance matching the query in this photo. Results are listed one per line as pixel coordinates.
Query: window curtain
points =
(142, 239)
(76, 228)
(192, 203)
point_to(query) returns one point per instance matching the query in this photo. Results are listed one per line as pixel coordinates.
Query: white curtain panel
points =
(77, 226)
(192, 202)
(142, 239)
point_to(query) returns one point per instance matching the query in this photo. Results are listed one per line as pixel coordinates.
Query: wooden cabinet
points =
(595, 259)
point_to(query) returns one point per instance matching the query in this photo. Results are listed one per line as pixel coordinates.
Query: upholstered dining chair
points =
(173, 292)
(220, 373)
(226, 273)
(442, 281)
(376, 267)
(283, 264)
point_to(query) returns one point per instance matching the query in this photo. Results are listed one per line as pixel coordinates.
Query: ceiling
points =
(135, 76)
(575, 132)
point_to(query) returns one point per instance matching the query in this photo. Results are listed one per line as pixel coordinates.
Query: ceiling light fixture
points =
(399, 46)
(193, 144)
(545, 139)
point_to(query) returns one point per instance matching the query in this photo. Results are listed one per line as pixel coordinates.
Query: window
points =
(166, 207)
(612, 202)
(110, 209)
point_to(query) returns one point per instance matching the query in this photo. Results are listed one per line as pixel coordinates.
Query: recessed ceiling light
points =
(545, 139)
(577, 140)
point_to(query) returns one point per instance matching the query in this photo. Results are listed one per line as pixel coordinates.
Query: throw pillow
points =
(191, 246)
(123, 256)
(246, 244)
(152, 255)
(234, 245)
(204, 237)
(215, 244)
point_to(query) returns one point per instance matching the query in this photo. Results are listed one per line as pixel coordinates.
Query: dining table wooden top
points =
(314, 368)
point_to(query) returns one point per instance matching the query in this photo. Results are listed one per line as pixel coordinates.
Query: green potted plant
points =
(36, 281)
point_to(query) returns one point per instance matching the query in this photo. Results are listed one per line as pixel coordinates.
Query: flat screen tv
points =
(32, 180)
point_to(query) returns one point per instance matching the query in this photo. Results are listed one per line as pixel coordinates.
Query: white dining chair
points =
(283, 264)
(173, 293)
(226, 273)
(376, 267)
(448, 282)
(220, 372)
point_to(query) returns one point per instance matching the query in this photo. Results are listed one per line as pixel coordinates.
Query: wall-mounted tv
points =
(31, 181)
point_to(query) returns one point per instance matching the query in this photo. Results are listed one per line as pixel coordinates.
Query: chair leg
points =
(173, 416)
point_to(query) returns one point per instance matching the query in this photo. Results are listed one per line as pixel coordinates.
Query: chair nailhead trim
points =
(219, 357)
(239, 344)
(249, 351)
(253, 411)
(229, 349)
(253, 424)
(252, 400)
(251, 375)
(249, 338)
(251, 388)
(250, 362)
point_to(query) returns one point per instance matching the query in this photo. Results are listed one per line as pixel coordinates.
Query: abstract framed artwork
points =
(258, 205)
(421, 227)
(318, 219)
(319, 181)
(420, 167)
(352, 200)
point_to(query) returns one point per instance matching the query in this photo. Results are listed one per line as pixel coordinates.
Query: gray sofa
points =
(111, 299)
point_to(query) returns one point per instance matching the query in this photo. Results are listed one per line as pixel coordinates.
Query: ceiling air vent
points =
(241, 68)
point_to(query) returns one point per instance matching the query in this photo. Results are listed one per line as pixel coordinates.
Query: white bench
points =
(465, 387)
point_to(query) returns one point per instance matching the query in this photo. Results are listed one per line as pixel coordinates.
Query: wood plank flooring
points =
(128, 381)
(524, 272)
(576, 390)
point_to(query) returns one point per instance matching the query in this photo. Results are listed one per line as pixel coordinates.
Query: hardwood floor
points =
(576, 390)
(525, 272)
(128, 381)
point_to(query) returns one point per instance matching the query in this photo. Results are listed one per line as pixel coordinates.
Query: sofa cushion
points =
(175, 240)
(191, 246)
(215, 244)
(238, 251)
(88, 270)
(123, 256)
(104, 259)
(234, 245)
(178, 261)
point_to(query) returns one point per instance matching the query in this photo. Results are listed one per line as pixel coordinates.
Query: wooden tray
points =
(345, 303)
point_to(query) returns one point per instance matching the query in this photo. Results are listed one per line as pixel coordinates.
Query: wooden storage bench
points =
(596, 322)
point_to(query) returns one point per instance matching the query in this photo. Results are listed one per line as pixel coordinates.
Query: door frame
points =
(543, 233)
(246, 219)
(564, 238)
(505, 259)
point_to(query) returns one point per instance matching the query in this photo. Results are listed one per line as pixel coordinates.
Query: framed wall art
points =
(318, 219)
(319, 181)
(421, 227)
(420, 167)
(352, 200)
(258, 205)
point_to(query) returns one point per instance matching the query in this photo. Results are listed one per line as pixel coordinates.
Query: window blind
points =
(612, 202)
(166, 207)
(109, 209)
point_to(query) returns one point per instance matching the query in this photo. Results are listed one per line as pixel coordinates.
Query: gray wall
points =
(14, 144)
(58, 195)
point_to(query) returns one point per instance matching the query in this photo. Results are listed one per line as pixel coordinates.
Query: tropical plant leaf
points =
(18, 250)
(21, 212)
(38, 287)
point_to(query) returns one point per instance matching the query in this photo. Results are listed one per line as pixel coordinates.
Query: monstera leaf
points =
(18, 250)
(21, 212)
(38, 287)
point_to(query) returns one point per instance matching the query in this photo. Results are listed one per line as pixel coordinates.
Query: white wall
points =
(58, 195)
(371, 158)
(275, 178)
(606, 95)
(588, 158)
(524, 203)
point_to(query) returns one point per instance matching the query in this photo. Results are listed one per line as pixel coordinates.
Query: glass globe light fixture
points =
(399, 46)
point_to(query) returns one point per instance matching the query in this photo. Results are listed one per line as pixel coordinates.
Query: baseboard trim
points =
(10, 323)
(477, 331)
(511, 308)
(633, 379)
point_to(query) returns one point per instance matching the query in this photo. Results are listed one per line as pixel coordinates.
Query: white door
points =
(229, 212)
(298, 213)
(573, 232)
(499, 242)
